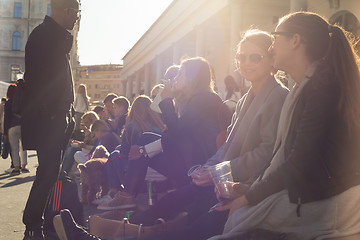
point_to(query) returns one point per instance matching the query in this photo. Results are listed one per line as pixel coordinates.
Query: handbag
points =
(107, 228)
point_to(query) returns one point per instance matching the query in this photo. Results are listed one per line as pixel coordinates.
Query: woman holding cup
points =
(311, 188)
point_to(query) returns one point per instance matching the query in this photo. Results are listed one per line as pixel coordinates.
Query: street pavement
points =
(13, 195)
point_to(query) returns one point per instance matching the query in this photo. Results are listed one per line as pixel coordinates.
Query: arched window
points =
(17, 10)
(16, 40)
(49, 9)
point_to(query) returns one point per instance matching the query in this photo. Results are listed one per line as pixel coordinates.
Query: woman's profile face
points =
(281, 48)
(180, 80)
(254, 63)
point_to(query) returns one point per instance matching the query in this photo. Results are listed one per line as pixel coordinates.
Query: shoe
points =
(9, 170)
(103, 200)
(24, 170)
(15, 172)
(119, 202)
(67, 229)
(33, 235)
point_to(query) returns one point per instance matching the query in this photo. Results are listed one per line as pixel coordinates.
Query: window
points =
(89, 86)
(17, 10)
(16, 40)
(49, 9)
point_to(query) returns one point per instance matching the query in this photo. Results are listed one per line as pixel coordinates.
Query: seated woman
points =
(189, 138)
(103, 136)
(140, 119)
(83, 146)
(250, 141)
(311, 188)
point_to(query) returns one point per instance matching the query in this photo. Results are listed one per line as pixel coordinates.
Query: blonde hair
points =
(142, 116)
(99, 125)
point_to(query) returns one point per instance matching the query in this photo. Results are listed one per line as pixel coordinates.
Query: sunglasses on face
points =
(252, 58)
(274, 35)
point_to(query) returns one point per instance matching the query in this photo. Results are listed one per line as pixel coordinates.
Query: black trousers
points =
(49, 153)
(168, 163)
(194, 200)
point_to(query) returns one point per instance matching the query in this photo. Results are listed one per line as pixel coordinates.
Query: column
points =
(129, 89)
(123, 87)
(176, 53)
(199, 41)
(147, 80)
(298, 5)
(137, 82)
(159, 74)
(236, 28)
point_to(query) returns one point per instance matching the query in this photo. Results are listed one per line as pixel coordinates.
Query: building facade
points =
(212, 29)
(17, 19)
(100, 80)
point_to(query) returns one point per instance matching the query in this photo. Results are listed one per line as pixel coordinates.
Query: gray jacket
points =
(252, 132)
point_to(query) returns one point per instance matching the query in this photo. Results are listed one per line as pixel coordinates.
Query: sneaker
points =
(67, 229)
(103, 200)
(15, 172)
(9, 170)
(33, 235)
(25, 170)
(119, 202)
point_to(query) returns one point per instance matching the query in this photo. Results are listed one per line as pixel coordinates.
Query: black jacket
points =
(319, 162)
(192, 136)
(48, 82)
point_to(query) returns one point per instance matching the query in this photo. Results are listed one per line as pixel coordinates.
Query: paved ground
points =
(13, 195)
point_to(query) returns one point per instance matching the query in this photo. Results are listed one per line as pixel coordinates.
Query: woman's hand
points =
(232, 189)
(134, 152)
(201, 177)
(234, 205)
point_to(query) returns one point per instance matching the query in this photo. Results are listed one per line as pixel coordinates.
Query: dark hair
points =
(260, 38)
(230, 86)
(198, 74)
(121, 102)
(110, 97)
(330, 44)
(98, 109)
(11, 91)
(171, 72)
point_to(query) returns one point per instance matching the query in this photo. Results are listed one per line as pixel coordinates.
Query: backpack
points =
(18, 97)
(64, 195)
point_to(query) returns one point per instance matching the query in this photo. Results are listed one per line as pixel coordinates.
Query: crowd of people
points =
(293, 152)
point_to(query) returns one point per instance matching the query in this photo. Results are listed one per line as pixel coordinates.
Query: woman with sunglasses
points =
(311, 188)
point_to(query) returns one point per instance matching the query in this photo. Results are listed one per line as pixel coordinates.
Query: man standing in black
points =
(47, 100)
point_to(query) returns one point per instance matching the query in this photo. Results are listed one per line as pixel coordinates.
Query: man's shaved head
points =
(62, 4)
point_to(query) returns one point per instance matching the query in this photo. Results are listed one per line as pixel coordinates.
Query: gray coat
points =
(252, 133)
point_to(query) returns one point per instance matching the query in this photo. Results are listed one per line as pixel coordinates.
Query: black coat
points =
(319, 159)
(48, 81)
(192, 136)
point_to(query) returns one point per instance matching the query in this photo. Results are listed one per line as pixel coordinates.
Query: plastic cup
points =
(222, 178)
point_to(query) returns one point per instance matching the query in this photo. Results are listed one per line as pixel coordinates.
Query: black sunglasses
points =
(253, 58)
(286, 34)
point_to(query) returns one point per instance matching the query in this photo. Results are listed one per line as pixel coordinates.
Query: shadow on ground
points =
(16, 180)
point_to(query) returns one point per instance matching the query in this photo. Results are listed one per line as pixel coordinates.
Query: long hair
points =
(11, 91)
(142, 116)
(330, 43)
(83, 92)
(199, 77)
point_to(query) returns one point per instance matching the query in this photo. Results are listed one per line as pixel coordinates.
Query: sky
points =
(109, 28)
